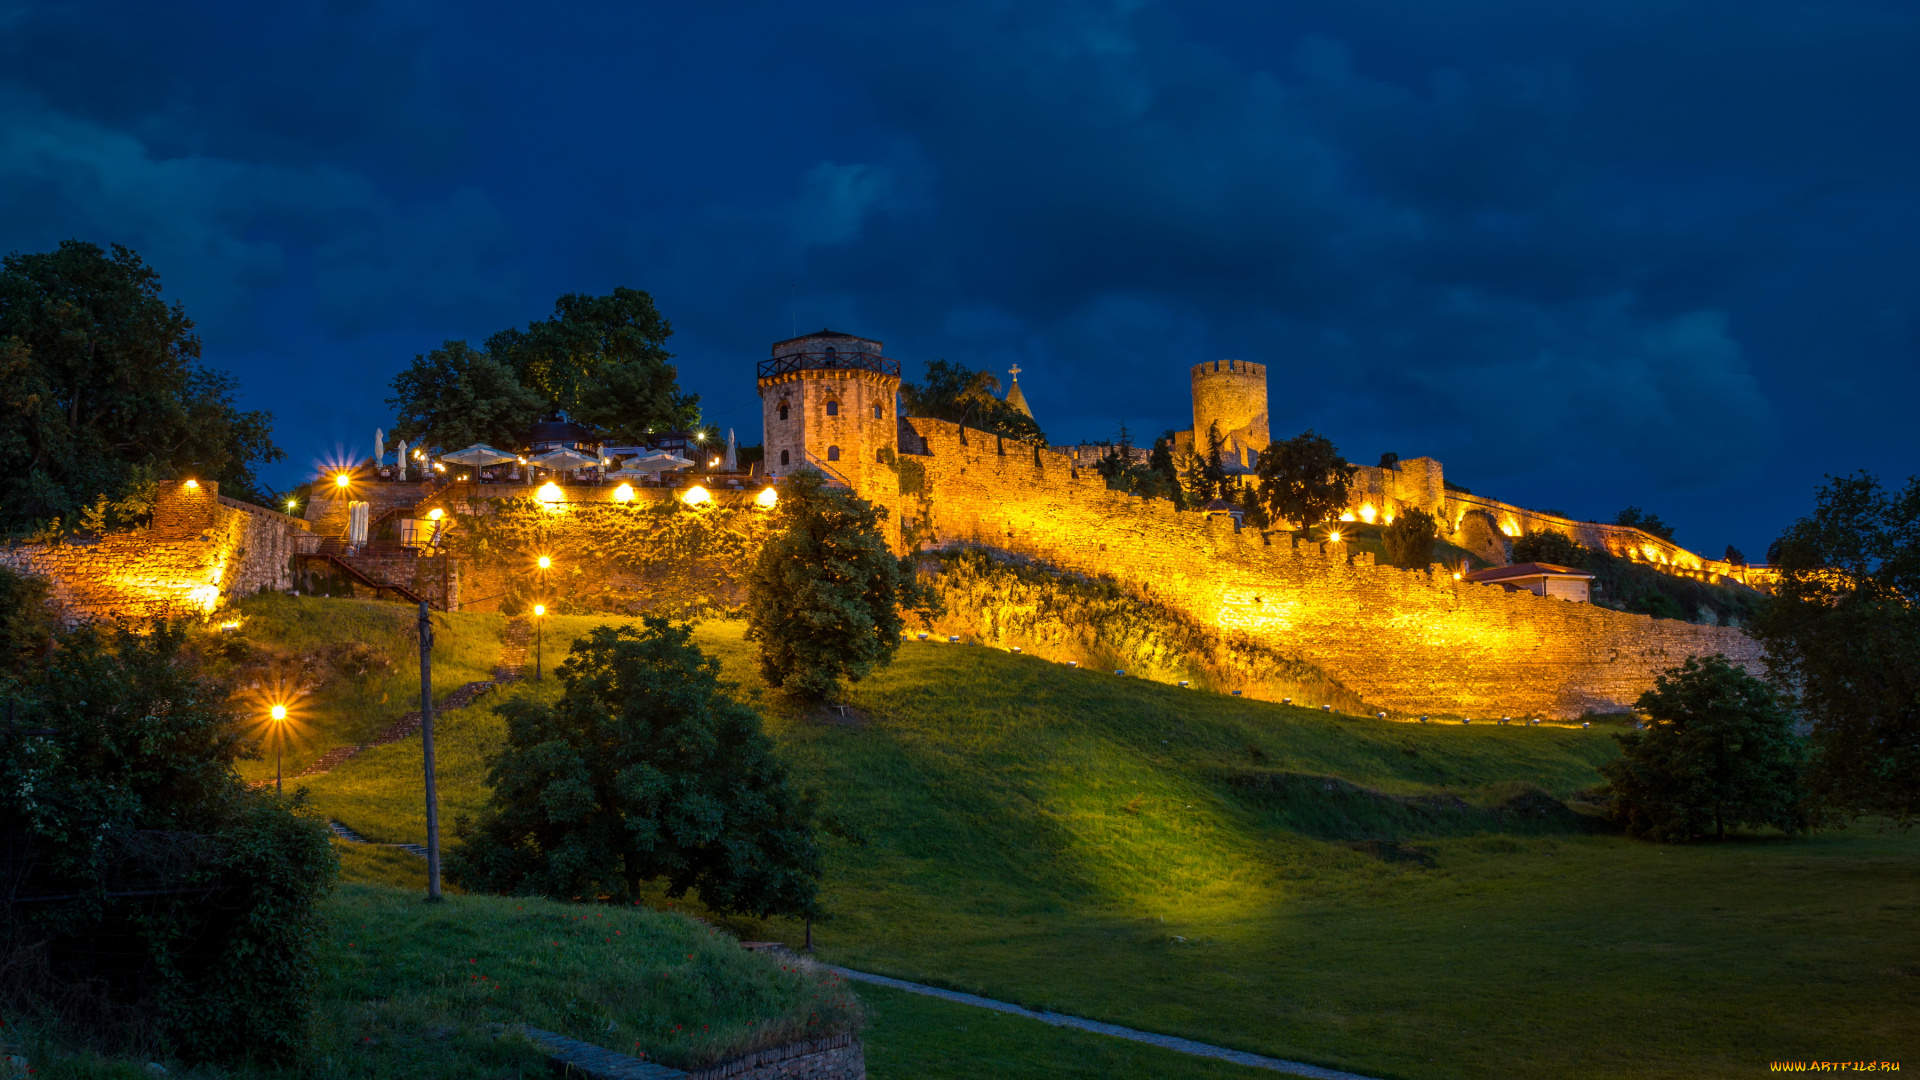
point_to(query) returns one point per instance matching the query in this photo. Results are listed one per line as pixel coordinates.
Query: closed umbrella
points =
(379, 450)
(732, 463)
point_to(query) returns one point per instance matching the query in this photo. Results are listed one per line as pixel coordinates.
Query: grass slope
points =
(1160, 858)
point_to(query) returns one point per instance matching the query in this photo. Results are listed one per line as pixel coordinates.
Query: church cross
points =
(1014, 371)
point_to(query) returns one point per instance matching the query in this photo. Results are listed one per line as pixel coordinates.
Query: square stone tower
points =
(830, 400)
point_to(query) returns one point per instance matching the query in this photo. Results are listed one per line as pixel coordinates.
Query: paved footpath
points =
(1165, 1042)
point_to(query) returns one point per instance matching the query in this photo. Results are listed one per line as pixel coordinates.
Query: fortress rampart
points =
(201, 549)
(1413, 641)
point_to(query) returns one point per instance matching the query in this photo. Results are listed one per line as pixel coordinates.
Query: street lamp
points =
(539, 611)
(279, 714)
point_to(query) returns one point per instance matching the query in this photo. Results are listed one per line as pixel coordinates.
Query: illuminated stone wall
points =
(1411, 641)
(200, 550)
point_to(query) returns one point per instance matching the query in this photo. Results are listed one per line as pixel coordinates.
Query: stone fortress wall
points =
(1413, 641)
(201, 549)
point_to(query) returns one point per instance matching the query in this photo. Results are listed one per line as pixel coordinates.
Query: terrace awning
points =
(478, 454)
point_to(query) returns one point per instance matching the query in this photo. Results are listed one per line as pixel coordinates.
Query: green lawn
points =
(1160, 858)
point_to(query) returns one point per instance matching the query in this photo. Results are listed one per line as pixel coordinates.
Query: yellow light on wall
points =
(191, 485)
(435, 514)
(696, 496)
(1368, 513)
(623, 493)
(549, 493)
(342, 480)
(545, 562)
(1348, 516)
(767, 497)
(1333, 537)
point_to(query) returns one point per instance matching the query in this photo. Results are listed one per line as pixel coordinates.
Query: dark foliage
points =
(1735, 556)
(645, 769)
(1303, 480)
(457, 395)
(824, 595)
(1636, 518)
(1718, 751)
(1637, 586)
(1550, 547)
(183, 908)
(1389, 460)
(27, 624)
(1409, 540)
(101, 392)
(1844, 629)
(969, 398)
(1162, 466)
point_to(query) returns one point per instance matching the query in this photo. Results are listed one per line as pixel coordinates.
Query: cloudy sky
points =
(1663, 253)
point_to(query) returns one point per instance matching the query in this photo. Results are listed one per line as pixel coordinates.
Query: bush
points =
(1409, 540)
(1718, 750)
(1549, 547)
(644, 769)
(823, 597)
(179, 909)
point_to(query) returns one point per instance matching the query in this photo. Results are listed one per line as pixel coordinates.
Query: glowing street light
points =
(279, 714)
(623, 493)
(342, 480)
(549, 493)
(696, 496)
(191, 485)
(545, 563)
(767, 498)
(435, 514)
(539, 612)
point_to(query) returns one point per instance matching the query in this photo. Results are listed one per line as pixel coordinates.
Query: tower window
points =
(833, 408)
(833, 453)
(783, 457)
(783, 410)
(876, 410)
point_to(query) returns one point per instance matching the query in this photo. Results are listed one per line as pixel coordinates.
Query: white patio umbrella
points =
(732, 463)
(477, 454)
(563, 458)
(379, 450)
(651, 464)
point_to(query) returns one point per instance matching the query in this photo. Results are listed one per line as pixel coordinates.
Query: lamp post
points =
(426, 752)
(279, 714)
(539, 613)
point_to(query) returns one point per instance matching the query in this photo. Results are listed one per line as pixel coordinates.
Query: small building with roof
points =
(1541, 579)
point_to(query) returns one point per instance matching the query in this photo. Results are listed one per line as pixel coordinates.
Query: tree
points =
(1161, 464)
(1735, 556)
(823, 597)
(1635, 518)
(101, 389)
(1718, 750)
(1210, 478)
(27, 623)
(1304, 480)
(1550, 547)
(457, 395)
(644, 769)
(1409, 540)
(969, 398)
(602, 360)
(1389, 460)
(1844, 629)
(127, 820)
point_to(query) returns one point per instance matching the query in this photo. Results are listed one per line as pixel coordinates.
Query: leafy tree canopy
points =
(457, 396)
(1718, 751)
(645, 768)
(101, 392)
(1549, 547)
(824, 596)
(1843, 628)
(1409, 540)
(1304, 480)
(601, 360)
(970, 398)
(1636, 518)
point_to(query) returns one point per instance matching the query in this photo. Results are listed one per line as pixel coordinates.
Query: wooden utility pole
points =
(426, 745)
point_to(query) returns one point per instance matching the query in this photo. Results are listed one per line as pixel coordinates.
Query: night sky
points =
(1663, 253)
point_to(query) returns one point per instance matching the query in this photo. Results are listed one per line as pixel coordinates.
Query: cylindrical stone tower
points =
(1233, 394)
(828, 400)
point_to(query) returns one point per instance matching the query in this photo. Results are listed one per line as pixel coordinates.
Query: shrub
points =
(1718, 750)
(1304, 480)
(823, 596)
(1549, 547)
(645, 768)
(1409, 540)
(178, 909)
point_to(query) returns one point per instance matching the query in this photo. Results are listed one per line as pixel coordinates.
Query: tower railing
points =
(829, 361)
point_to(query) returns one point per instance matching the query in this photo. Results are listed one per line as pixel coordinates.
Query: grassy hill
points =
(1398, 900)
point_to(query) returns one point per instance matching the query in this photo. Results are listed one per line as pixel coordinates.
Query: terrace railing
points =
(829, 361)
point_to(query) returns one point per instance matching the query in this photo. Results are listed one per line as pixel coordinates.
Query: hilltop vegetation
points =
(1393, 899)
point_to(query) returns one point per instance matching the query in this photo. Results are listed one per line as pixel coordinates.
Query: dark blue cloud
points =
(1652, 253)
